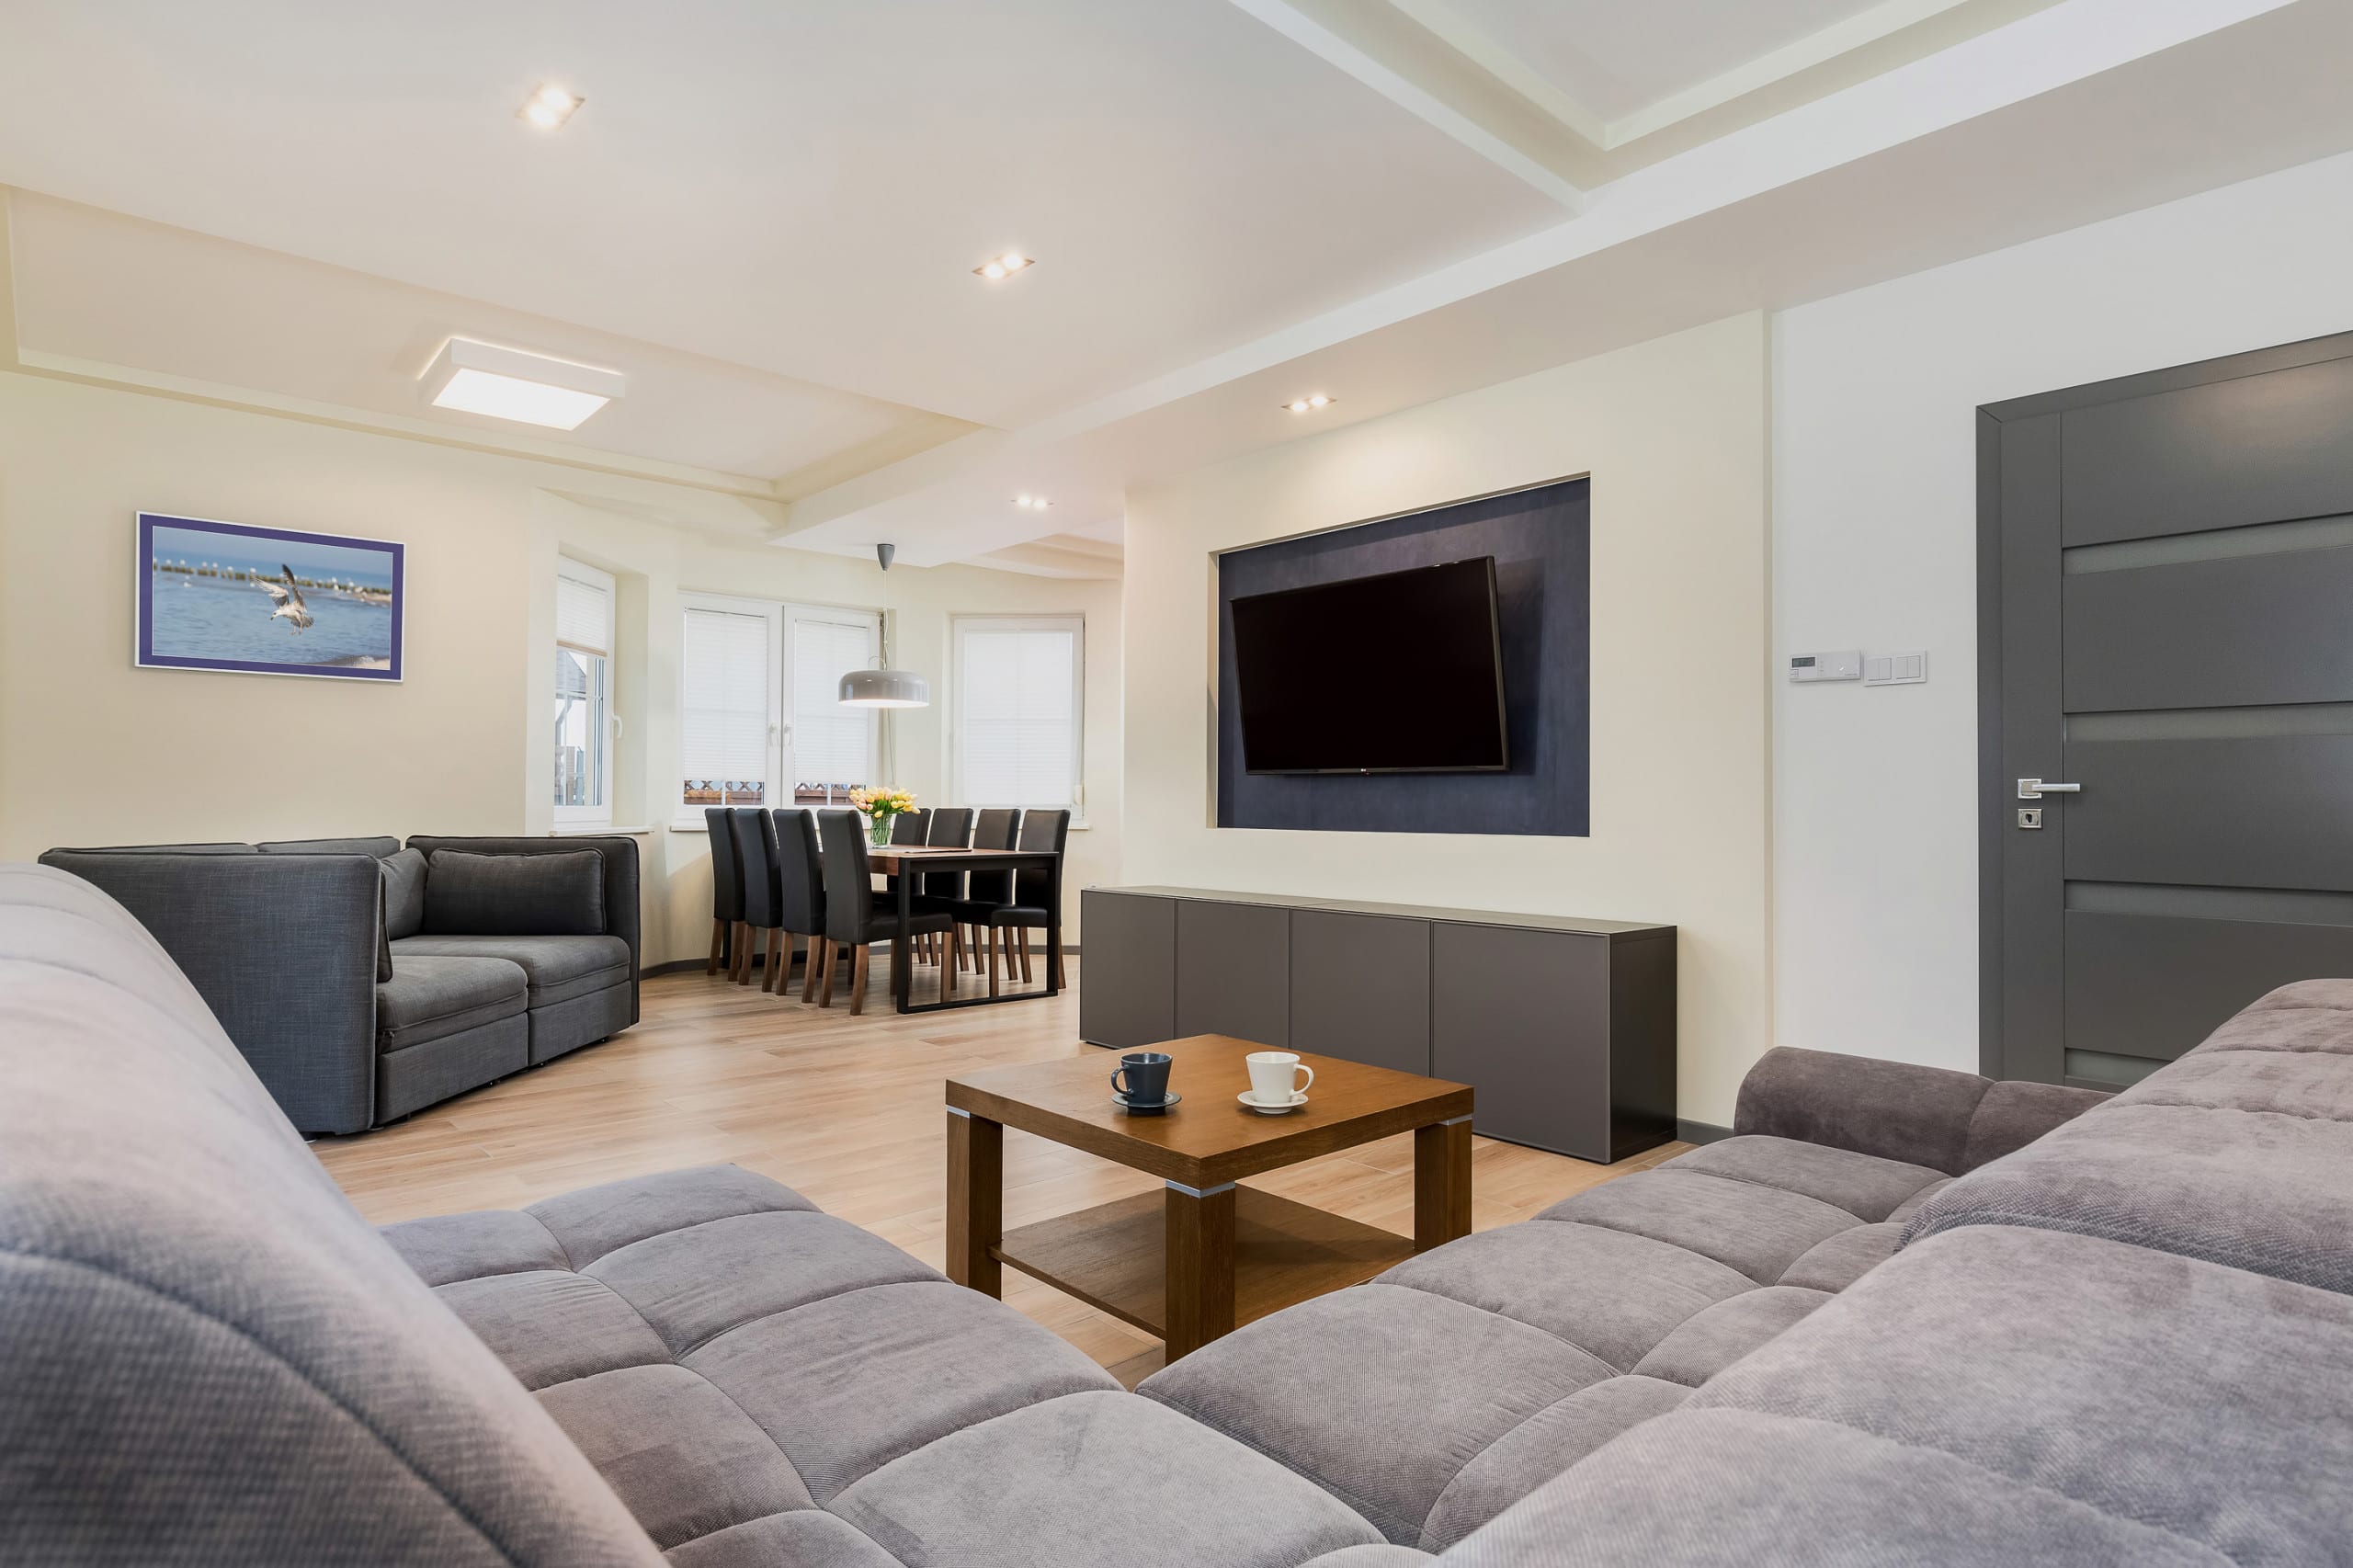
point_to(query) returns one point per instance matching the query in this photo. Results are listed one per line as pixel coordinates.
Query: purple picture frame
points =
(381, 561)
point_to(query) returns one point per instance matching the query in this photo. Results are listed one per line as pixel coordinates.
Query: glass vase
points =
(878, 830)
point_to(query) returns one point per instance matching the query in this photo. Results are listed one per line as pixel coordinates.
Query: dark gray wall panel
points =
(1127, 997)
(2273, 811)
(2256, 448)
(2211, 633)
(2151, 987)
(1540, 541)
(1360, 988)
(1526, 1011)
(1232, 971)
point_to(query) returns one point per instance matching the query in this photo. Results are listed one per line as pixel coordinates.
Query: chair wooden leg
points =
(743, 965)
(814, 960)
(992, 951)
(717, 944)
(766, 940)
(826, 994)
(858, 977)
(1021, 948)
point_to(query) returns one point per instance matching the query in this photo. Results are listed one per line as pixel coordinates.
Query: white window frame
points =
(1073, 624)
(688, 817)
(794, 615)
(600, 814)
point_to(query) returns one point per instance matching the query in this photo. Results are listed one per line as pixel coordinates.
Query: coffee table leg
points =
(1441, 1182)
(975, 1202)
(1200, 1305)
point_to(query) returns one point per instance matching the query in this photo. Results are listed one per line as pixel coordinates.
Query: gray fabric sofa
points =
(362, 986)
(209, 1358)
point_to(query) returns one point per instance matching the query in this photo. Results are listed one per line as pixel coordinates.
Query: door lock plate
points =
(2031, 816)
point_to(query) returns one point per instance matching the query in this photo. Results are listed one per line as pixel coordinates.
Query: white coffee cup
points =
(1274, 1076)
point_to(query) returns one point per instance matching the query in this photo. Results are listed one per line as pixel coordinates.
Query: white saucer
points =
(1250, 1097)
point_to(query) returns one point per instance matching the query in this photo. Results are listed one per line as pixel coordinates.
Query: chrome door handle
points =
(2035, 788)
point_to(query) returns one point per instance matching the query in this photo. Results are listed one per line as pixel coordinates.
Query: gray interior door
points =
(2167, 574)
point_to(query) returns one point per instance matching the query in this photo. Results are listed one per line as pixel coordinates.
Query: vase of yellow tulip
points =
(881, 806)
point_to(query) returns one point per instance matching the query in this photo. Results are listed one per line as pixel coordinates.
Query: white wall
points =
(95, 751)
(1874, 498)
(1674, 434)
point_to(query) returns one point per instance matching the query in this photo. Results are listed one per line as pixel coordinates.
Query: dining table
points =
(905, 862)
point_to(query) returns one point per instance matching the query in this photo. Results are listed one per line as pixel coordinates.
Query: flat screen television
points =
(1400, 673)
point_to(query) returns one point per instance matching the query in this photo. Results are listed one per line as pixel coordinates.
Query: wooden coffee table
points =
(1203, 1256)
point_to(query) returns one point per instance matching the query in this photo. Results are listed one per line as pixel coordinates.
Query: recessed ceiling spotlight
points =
(998, 267)
(509, 384)
(550, 106)
(1035, 503)
(1302, 405)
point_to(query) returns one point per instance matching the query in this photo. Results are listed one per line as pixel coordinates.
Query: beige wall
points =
(1675, 436)
(95, 751)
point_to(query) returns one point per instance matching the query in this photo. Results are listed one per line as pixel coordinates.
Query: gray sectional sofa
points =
(1904, 1317)
(365, 981)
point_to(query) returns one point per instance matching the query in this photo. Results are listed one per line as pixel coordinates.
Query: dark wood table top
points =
(888, 858)
(1210, 1138)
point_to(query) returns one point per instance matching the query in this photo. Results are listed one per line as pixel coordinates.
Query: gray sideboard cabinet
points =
(1565, 1027)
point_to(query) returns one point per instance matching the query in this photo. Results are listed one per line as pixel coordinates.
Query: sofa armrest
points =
(621, 918)
(282, 948)
(1924, 1116)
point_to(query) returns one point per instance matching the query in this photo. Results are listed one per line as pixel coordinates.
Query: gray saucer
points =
(1122, 1102)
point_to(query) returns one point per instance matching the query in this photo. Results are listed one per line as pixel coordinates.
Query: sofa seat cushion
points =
(1445, 1379)
(432, 996)
(2234, 1154)
(763, 1383)
(1993, 1395)
(557, 968)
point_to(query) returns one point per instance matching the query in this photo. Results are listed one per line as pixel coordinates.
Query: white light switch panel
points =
(1846, 664)
(1895, 669)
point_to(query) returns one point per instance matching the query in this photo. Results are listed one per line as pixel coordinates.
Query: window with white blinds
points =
(728, 703)
(583, 695)
(1020, 706)
(832, 749)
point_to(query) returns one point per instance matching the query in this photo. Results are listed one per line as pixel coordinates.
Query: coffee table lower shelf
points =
(1114, 1257)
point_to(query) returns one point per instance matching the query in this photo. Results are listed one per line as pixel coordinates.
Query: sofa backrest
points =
(2240, 1153)
(1923, 1115)
(210, 1356)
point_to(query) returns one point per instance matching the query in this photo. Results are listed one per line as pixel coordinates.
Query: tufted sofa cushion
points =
(1442, 1391)
(764, 1384)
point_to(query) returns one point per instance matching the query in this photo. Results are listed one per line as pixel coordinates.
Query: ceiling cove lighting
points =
(883, 687)
(1305, 404)
(999, 267)
(508, 383)
(550, 106)
(1035, 503)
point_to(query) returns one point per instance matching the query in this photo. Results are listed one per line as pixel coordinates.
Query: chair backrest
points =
(910, 827)
(756, 863)
(995, 828)
(726, 876)
(951, 827)
(1040, 830)
(801, 874)
(849, 875)
(210, 1357)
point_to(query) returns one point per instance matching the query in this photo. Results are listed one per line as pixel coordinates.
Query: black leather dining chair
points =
(1027, 909)
(801, 894)
(995, 828)
(851, 919)
(763, 922)
(726, 891)
(951, 828)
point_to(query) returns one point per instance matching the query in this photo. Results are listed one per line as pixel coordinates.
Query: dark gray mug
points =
(1146, 1073)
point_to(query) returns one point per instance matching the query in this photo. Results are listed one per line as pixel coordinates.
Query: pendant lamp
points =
(884, 686)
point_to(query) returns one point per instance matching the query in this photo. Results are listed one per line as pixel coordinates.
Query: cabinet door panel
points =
(1523, 1017)
(1233, 970)
(1360, 988)
(1126, 997)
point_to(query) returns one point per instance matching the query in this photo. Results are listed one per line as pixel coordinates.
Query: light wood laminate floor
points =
(848, 1112)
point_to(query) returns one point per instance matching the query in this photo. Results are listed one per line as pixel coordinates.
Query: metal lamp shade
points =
(884, 688)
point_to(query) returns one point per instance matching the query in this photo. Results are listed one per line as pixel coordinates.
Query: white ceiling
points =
(765, 215)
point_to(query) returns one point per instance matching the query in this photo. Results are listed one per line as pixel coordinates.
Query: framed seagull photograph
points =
(267, 601)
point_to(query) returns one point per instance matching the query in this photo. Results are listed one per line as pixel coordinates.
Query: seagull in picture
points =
(288, 598)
